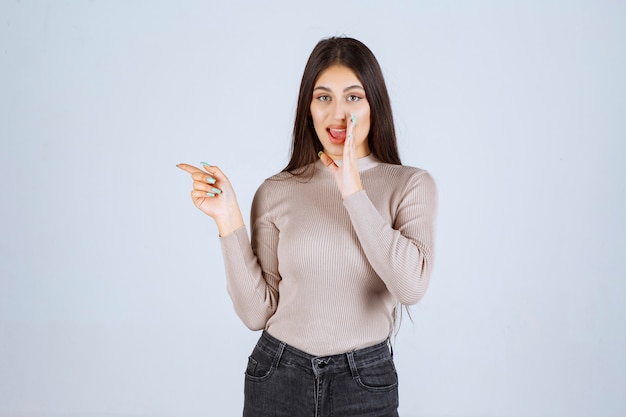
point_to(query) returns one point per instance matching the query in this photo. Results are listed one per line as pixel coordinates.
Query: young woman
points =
(340, 239)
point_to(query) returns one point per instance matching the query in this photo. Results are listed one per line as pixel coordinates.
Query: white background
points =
(112, 293)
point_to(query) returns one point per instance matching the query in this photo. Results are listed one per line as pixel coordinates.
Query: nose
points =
(341, 112)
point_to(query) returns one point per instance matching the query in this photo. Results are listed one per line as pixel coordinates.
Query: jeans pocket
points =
(260, 366)
(380, 376)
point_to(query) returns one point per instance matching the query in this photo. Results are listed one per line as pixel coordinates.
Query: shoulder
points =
(277, 182)
(276, 178)
(277, 186)
(408, 184)
(403, 174)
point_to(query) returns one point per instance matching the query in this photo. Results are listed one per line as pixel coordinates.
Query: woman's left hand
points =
(347, 175)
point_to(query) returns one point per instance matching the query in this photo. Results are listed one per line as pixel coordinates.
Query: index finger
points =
(350, 126)
(190, 168)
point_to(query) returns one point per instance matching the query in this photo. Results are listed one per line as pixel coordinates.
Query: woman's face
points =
(337, 93)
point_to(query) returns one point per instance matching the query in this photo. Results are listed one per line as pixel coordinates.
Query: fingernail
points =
(350, 137)
(205, 164)
(211, 180)
(353, 117)
(216, 190)
(319, 154)
(210, 195)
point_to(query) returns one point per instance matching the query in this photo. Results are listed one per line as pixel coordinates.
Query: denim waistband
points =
(349, 361)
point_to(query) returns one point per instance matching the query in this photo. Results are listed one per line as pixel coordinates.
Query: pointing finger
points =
(189, 168)
(197, 174)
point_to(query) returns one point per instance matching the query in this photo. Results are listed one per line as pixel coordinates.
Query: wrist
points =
(351, 192)
(226, 228)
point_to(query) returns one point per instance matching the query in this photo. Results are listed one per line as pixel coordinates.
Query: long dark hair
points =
(356, 56)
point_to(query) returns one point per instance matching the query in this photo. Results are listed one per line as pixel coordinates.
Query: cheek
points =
(316, 124)
(362, 113)
(363, 119)
(316, 116)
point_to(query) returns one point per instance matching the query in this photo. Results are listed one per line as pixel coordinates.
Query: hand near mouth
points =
(347, 175)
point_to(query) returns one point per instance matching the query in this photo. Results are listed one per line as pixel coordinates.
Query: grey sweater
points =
(324, 274)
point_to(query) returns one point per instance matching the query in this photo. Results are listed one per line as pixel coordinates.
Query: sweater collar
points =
(364, 163)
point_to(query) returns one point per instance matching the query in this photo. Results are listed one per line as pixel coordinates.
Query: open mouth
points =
(336, 135)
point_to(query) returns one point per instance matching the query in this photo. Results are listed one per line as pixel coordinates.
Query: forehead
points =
(337, 76)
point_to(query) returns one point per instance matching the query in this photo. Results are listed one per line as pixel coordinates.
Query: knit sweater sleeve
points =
(401, 253)
(252, 268)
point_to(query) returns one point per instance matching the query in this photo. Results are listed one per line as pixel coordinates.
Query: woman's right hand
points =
(213, 194)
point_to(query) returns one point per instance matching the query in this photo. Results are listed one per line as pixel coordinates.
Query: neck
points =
(364, 163)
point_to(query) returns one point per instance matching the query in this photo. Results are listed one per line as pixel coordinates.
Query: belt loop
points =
(353, 370)
(390, 347)
(279, 354)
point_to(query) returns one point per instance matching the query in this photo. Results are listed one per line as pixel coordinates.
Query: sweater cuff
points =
(236, 243)
(358, 201)
(366, 220)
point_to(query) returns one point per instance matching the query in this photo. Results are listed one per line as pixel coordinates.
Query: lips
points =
(336, 135)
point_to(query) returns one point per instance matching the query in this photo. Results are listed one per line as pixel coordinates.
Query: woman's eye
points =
(324, 98)
(354, 98)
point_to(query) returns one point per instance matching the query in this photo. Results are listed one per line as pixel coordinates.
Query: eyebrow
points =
(321, 87)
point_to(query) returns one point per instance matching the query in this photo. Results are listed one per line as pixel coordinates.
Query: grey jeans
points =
(282, 381)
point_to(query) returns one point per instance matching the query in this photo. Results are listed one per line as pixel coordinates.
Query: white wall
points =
(112, 295)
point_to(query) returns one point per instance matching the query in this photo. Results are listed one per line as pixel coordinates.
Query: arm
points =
(401, 253)
(253, 290)
(254, 298)
(254, 293)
